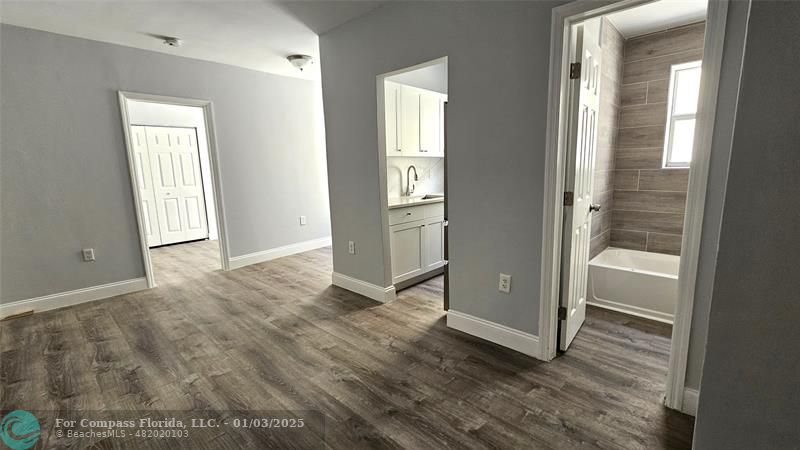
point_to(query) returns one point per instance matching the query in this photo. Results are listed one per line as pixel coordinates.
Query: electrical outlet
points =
(88, 254)
(351, 247)
(505, 283)
(303, 220)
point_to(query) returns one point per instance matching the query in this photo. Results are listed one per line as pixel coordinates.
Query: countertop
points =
(402, 202)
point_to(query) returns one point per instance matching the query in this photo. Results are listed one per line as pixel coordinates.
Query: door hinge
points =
(574, 71)
(446, 262)
(569, 198)
(562, 313)
(445, 223)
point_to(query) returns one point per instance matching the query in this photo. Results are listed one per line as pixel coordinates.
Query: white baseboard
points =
(236, 262)
(633, 310)
(690, 397)
(494, 332)
(69, 298)
(373, 291)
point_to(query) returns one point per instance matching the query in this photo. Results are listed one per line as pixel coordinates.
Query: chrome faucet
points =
(409, 186)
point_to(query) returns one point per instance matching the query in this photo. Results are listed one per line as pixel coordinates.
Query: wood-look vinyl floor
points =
(278, 336)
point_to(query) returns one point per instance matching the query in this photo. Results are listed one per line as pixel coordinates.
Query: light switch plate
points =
(505, 283)
(303, 220)
(351, 247)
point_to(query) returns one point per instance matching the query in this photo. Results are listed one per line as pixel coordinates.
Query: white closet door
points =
(177, 182)
(144, 181)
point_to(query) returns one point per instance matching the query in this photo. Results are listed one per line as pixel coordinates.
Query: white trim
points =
(373, 291)
(69, 298)
(690, 401)
(277, 252)
(696, 201)
(633, 310)
(494, 332)
(563, 17)
(213, 154)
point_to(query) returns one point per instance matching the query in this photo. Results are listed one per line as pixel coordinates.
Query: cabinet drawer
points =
(434, 210)
(403, 215)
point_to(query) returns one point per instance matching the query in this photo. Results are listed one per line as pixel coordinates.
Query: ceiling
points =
(256, 35)
(432, 78)
(658, 16)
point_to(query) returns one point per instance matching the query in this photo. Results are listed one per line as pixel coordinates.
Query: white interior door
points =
(177, 182)
(580, 171)
(144, 181)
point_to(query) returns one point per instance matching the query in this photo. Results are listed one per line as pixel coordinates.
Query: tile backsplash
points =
(429, 170)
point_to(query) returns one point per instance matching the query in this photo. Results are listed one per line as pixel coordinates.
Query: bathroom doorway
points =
(622, 218)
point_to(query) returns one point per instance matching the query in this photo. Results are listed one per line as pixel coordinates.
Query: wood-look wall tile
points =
(626, 180)
(664, 180)
(651, 114)
(599, 243)
(656, 68)
(688, 37)
(657, 91)
(664, 243)
(632, 240)
(633, 94)
(657, 222)
(654, 201)
(604, 199)
(609, 91)
(603, 181)
(601, 222)
(641, 137)
(638, 158)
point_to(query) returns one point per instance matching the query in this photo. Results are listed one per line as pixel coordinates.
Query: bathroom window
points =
(684, 88)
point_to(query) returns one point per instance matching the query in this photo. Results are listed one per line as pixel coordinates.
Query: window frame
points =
(667, 163)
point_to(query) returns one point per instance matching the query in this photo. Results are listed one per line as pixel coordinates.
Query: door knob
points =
(594, 207)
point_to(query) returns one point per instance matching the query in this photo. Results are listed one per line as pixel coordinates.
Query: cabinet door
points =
(434, 243)
(407, 250)
(392, 101)
(409, 120)
(430, 123)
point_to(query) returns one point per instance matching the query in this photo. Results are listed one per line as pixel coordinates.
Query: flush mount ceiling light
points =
(299, 61)
(173, 41)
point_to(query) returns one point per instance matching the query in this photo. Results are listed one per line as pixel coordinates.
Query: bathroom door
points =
(579, 178)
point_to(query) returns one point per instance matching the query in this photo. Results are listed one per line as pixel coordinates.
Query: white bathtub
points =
(633, 282)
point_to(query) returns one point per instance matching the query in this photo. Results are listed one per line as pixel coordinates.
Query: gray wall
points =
(65, 182)
(497, 110)
(750, 397)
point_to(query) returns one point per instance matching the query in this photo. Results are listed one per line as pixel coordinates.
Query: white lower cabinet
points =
(418, 243)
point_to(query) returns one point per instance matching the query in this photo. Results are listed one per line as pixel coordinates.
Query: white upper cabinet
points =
(414, 121)
(430, 123)
(409, 120)
(392, 101)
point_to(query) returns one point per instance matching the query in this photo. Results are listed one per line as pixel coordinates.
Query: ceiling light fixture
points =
(173, 41)
(299, 61)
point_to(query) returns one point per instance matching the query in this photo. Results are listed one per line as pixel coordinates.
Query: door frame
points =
(213, 156)
(556, 140)
(382, 178)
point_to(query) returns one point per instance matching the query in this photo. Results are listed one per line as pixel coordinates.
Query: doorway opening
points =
(412, 110)
(633, 92)
(175, 180)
